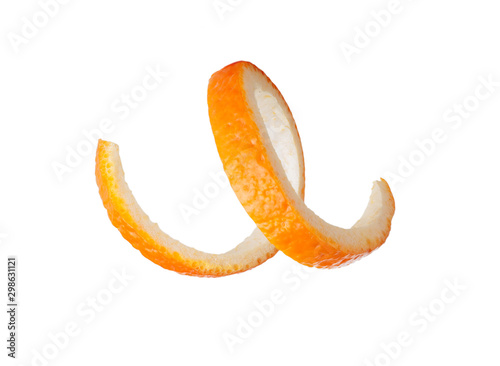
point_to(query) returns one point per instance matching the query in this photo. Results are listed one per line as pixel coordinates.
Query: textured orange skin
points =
(132, 231)
(128, 227)
(254, 180)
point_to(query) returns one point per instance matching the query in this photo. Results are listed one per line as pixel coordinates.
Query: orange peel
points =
(261, 152)
(252, 126)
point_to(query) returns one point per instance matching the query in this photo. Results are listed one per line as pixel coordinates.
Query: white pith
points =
(280, 132)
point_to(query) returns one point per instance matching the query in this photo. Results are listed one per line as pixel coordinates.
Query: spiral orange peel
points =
(261, 152)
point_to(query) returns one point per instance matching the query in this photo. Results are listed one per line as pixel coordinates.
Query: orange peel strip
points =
(136, 227)
(252, 126)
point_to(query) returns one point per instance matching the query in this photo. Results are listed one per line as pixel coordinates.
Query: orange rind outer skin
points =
(130, 230)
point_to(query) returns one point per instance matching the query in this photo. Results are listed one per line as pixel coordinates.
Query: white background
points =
(356, 119)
